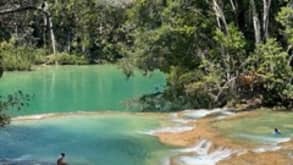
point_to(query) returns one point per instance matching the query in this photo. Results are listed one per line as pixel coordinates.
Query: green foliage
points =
(206, 65)
(92, 28)
(208, 52)
(270, 62)
(186, 85)
(166, 34)
(233, 41)
(23, 58)
(19, 58)
(66, 59)
(285, 17)
(16, 100)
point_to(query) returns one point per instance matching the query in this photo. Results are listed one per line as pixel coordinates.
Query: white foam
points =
(241, 152)
(200, 148)
(174, 129)
(181, 121)
(202, 155)
(266, 139)
(197, 114)
(206, 159)
(266, 149)
(21, 158)
(34, 117)
(174, 115)
(166, 161)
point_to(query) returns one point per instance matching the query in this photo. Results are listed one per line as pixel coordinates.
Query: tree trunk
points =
(256, 23)
(16, 30)
(221, 21)
(52, 35)
(233, 6)
(68, 42)
(50, 25)
(220, 15)
(45, 29)
(42, 10)
(266, 18)
(290, 53)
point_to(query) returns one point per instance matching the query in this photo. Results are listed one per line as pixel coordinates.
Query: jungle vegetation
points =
(214, 52)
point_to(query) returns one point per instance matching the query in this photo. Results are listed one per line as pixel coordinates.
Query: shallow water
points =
(106, 138)
(79, 88)
(87, 139)
(259, 128)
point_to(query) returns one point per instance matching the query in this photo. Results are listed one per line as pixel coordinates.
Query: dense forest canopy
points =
(214, 52)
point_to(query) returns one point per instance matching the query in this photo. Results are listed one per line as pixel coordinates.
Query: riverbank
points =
(27, 58)
(207, 143)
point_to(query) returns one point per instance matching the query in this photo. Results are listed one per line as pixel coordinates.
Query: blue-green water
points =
(87, 139)
(103, 138)
(98, 138)
(258, 128)
(79, 88)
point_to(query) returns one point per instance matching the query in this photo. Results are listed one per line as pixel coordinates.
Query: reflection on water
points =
(76, 88)
(111, 139)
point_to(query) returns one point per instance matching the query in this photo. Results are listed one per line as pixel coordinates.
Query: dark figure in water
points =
(277, 131)
(61, 161)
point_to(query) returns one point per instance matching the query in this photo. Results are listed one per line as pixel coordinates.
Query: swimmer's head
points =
(62, 155)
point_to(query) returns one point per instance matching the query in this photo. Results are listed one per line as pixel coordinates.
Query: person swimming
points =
(61, 161)
(277, 131)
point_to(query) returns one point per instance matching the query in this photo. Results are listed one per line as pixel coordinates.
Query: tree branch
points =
(22, 9)
(223, 87)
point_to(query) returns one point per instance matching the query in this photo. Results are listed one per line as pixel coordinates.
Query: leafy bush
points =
(20, 58)
(270, 62)
(16, 100)
(66, 59)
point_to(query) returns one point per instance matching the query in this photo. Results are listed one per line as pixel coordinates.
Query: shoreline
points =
(78, 113)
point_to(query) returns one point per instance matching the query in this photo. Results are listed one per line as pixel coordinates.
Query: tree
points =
(214, 52)
(42, 9)
(207, 47)
(270, 63)
(285, 17)
(92, 29)
(16, 100)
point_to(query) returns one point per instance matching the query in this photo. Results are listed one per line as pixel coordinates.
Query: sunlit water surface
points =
(259, 128)
(112, 138)
(80, 88)
(87, 139)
